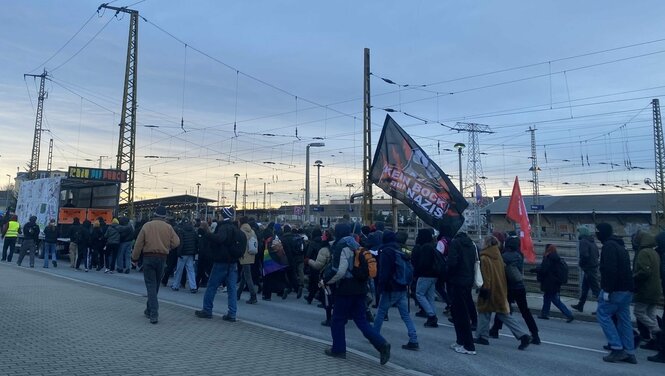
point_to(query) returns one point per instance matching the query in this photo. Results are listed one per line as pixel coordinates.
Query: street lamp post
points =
(198, 186)
(459, 146)
(350, 185)
(318, 165)
(9, 182)
(235, 198)
(269, 205)
(315, 145)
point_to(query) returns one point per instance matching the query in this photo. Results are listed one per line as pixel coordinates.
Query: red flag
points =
(517, 213)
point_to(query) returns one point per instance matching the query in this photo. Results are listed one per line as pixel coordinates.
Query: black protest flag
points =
(404, 171)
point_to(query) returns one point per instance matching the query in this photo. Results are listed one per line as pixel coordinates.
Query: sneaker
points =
(577, 307)
(658, 358)
(86, 270)
(45, 266)
(455, 345)
(285, 293)
(153, 320)
(462, 350)
(494, 334)
(413, 346)
(384, 353)
(194, 291)
(616, 356)
(127, 271)
(543, 317)
(535, 339)
(55, 264)
(229, 318)
(525, 340)
(252, 300)
(481, 341)
(203, 314)
(570, 319)
(330, 353)
(267, 299)
(106, 270)
(421, 313)
(630, 359)
(651, 345)
(146, 313)
(175, 288)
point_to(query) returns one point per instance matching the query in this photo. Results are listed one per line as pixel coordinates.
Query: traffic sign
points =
(317, 208)
(537, 207)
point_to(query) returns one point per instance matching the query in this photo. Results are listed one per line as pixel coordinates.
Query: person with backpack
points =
(493, 295)
(294, 248)
(186, 252)
(395, 275)
(227, 244)
(427, 270)
(350, 294)
(551, 274)
(50, 241)
(30, 240)
(318, 256)
(588, 262)
(247, 260)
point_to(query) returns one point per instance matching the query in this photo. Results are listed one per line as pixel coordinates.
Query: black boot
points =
(535, 339)
(432, 322)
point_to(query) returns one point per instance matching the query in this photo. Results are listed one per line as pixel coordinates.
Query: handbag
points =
(513, 274)
(477, 274)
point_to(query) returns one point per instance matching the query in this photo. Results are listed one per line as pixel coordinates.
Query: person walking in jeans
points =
(423, 260)
(224, 267)
(549, 276)
(154, 242)
(246, 262)
(588, 262)
(186, 252)
(125, 250)
(392, 292)
(616, 284)
(50, 241)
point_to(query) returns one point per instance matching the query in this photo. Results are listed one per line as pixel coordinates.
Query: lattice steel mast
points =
(660, 165)
(37, 140)
(127, 139)
(367, 211)
(535, 169)
(49, 162)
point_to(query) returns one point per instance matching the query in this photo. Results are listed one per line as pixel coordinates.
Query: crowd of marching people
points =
(350, 269)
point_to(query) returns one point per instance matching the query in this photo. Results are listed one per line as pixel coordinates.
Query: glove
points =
(606, 296)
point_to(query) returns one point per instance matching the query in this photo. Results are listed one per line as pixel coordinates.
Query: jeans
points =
(619, 336)
(519, 296)
(388, 298)
(351, 307)
(222, 273)
(30, 246)
(554, 298)
(589, 282)
(425, 291)
(185, 262)
(49, 249)
(153, 268)
(510, 321)
(124, 255)
(459, 295)
(8, 243)
(246, 280)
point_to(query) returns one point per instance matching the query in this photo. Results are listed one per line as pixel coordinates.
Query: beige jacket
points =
(157, 238)
(246, 258)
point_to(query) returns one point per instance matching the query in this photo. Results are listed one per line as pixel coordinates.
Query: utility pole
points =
(49, 161)
(474, 168)
(660, 164)
(536, 186)
(127, 139)
(367, 144)
(37, 140)
(244, 197)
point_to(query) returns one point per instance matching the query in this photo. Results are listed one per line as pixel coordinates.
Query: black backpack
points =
(562, 271)
(237, 243)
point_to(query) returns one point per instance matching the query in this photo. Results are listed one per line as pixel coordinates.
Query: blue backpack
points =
(403, 275)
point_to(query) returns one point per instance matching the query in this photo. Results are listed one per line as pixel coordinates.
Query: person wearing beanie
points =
(423, 259)
(112, 236)
(50, 241)
(154, 242)
(588, 256)
(30, 238)
(549, 275)
(616, 286)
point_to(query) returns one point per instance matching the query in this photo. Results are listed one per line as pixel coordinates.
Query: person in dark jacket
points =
(224, 267)
(646, 276)
(98, 244)
(204, 263)
(112, 236)
(30, 240)
(349, 299)
(186, 252)
(549, 276)
(73, 246)
(83, 240)
(125, 248)
(462, 257)
(660, 248)
(616, 286)
(392, 292)
(50, 241)
(588, 262)
(423, 260)
(513, 258)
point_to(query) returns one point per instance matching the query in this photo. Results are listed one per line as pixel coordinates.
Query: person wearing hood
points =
(30, 239)
(349, 294)
(246, 262)
(549, 276)
(125, 249)
(186, 252)
(462, 256)
(660, 248)
(393, 292)
(423, 259)
(112, 236)
(646, 276)
(493, 295)
(616, 286)
(318, 256)
(50, 241)
(588, 261)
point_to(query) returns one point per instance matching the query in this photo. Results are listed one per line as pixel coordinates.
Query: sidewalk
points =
(55, 326)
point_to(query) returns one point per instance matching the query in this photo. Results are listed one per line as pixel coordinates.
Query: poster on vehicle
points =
(39, 197)
(66, 215)
(93, 214)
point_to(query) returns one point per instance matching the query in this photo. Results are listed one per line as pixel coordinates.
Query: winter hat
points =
(583, 231)
(160, 212)
(342, 230)
(286, 228)
(228, 213)
(604, 231)
(389, 237)
(278, 228)
(380, 226)
(115, 221)
(401, 237)
(316, 233)
(424, 236)
(365, 230)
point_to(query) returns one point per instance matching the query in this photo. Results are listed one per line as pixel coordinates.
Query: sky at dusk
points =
(289, 73)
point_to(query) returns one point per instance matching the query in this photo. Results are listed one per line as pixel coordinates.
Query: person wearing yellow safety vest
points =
(10, 234)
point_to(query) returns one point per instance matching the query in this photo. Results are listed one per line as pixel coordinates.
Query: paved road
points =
(101, 311)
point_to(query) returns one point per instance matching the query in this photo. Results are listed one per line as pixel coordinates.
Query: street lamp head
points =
(316, 145)
(236, 175)
(459, 146)
(318, 163)
(198, 184)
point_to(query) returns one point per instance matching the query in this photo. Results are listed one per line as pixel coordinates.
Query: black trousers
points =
(518, 297)
(171, 263)
(461, 315)
(589, 282)
(203, 269)
(274, 283)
